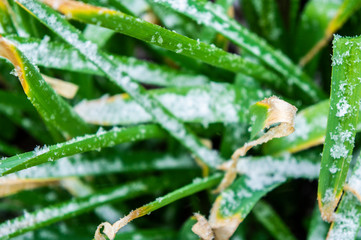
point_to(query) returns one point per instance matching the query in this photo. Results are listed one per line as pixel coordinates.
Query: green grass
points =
(341, 123)
(167, 91)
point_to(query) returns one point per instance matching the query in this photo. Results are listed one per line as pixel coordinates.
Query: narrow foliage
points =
(341, 123)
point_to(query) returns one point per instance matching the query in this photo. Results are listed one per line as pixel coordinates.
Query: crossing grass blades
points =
(169, 119)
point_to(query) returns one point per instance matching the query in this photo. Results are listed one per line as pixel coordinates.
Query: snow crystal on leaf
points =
(342, 107)
(40, 150)
(333, 169)
(329, 196)
(338, 150)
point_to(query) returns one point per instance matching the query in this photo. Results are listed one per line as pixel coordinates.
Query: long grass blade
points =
(56, 112)
(95, 163)
(160, 114)
(51, 214)
(133, 8)
(164, 38)
(61, 56)
(78, 145)
(341, 123)
(209, 15)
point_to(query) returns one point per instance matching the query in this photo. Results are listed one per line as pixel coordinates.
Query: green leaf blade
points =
(53, 109)
(341, 124)
(94, 164)
(63, 211)
(56, 55)
(164, 38)
(175, 127)
(78, 145)
(209, 15)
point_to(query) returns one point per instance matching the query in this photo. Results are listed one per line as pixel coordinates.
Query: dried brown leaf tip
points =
(216, 228)
(8, 51)
(68, 7)
(202, 228)
(272, 118)
(10, 185)
(65, 89)
(223, 228)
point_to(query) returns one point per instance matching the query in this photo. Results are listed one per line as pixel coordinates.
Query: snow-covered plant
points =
(187, 107)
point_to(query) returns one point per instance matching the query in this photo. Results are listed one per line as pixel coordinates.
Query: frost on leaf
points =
(341, 125)
(279, 122)
(207, 104)
(342, 107)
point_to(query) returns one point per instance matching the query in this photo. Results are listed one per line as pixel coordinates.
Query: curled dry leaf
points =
(196, 186)
(110, 230)
(271, 116)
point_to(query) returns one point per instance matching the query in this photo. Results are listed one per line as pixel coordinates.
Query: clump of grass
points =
(112, 110)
